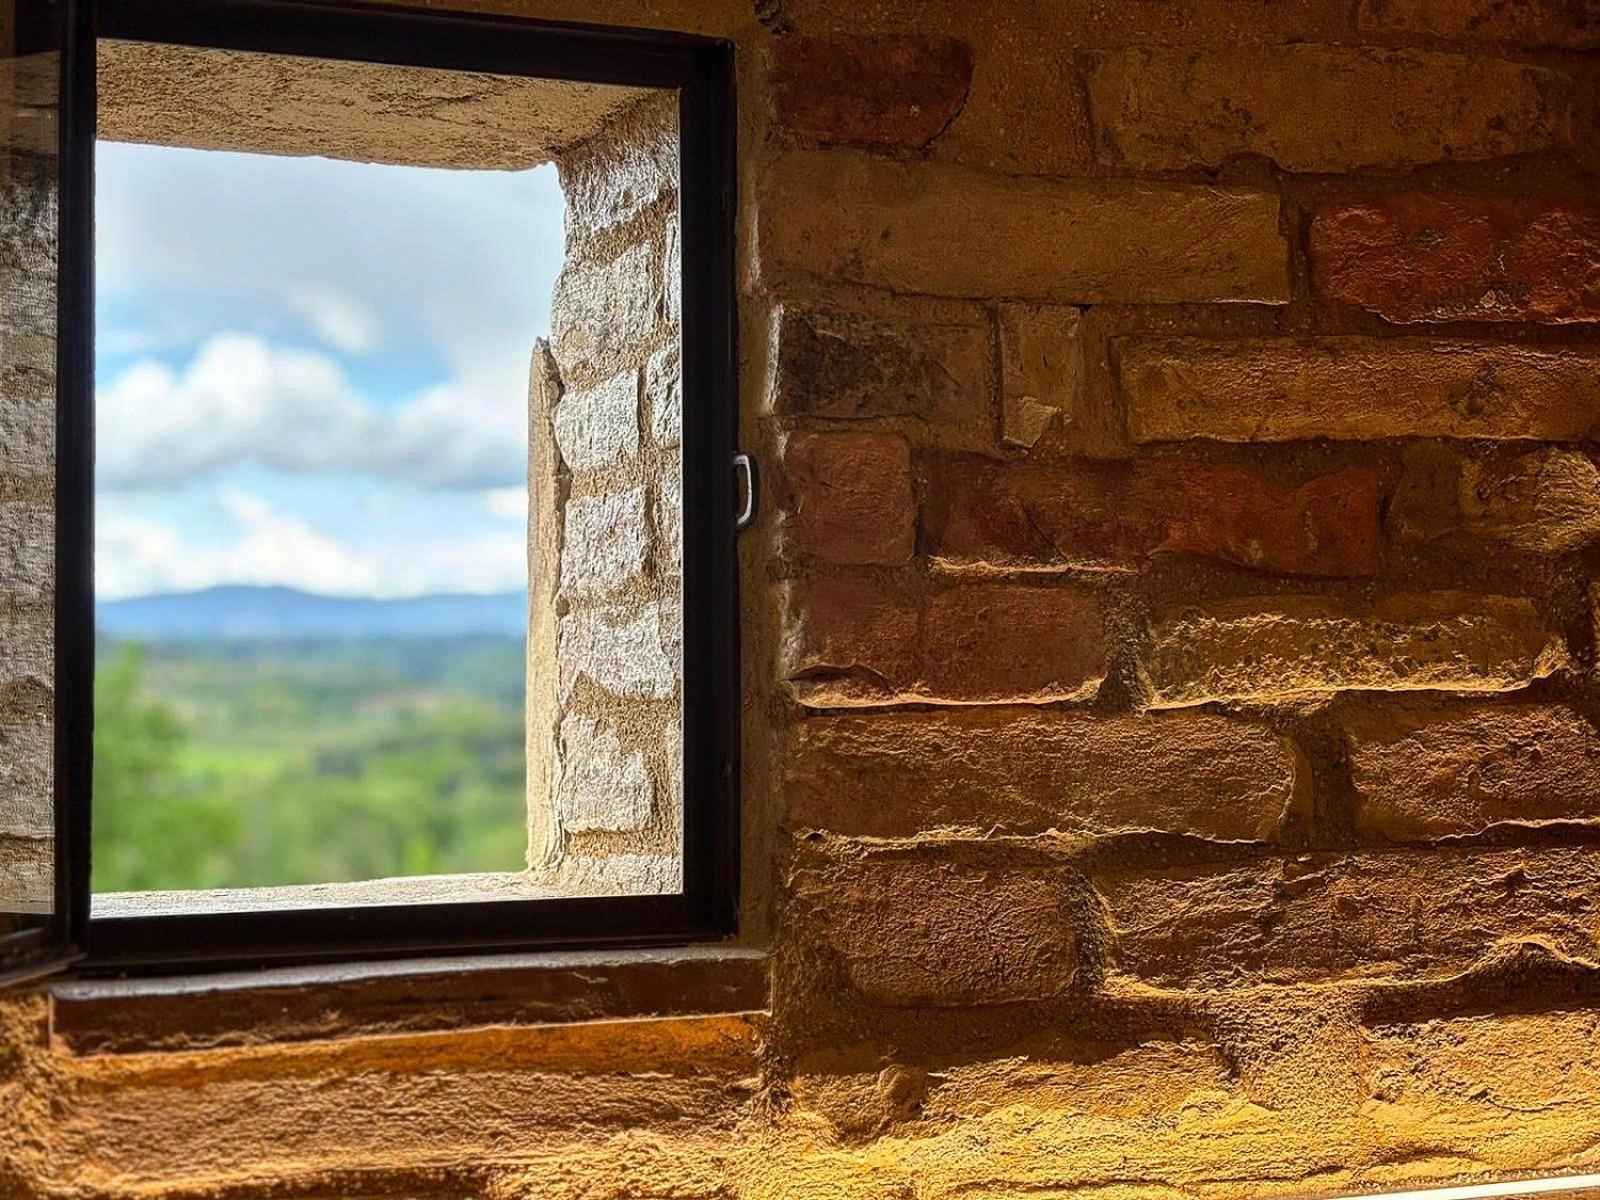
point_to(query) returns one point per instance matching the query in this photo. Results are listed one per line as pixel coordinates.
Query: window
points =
(332, 627)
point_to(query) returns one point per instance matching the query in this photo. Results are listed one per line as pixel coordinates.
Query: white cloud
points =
(241, 399)
(336, 319)
(139, 555)
(509, 503)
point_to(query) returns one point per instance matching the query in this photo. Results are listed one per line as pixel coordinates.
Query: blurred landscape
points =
(251, 737)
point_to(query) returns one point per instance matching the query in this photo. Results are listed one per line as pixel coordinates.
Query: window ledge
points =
(297, 1004)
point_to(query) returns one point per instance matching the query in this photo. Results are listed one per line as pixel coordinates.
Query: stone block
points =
(601, 786)
(605, 543)
(848, 498)
(599, 427)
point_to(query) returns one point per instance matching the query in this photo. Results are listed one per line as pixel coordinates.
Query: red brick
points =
(849, 498)
(1429, 770)
(849, 643)
(1008, 771)
(1356, 388)
(878, 91)
(1397, 914)
(941, 932)
(1568, 24)
(1417, 258)
(1096, 514)
(988, 644)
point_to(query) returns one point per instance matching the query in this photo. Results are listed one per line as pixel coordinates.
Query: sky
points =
(314, 373)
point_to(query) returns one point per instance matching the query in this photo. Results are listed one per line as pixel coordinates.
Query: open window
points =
(367, 504)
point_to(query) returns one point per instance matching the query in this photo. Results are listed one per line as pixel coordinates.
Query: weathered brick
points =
(1281, 647)
(845, 365)
(849, 498)
(932, 931)
(1571, 24)
(629, 653)
(992, 643)
(1431, 770)
(1028, 771)
(1042, 369)
(1406, 914)
(1321, 108)
(1355, 388)
(1424, 257)
(872, 221)
(874, 91)
(848, 643)
(599, 427)
(606, 543)
(600, 786)
(1547, 501)
(1096, 514)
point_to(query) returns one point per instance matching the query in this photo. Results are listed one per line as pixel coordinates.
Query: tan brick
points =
(1088, 514)
(849, 365)
(1431, 770)
(926, 930)
(1404, 913)
(1321, 108)
(1572, 24)
(1027, 771)
(848, 498)
(873, 91)
(1042, 370)
(1546, 501)
(849, 643)
(1261, 648)
(989, 644)
(898, 225)
(1423, 257)
(1356, 388)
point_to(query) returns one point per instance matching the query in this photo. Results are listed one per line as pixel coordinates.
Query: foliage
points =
(252, 764)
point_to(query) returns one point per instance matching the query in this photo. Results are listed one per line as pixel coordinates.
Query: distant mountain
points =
(284, 614)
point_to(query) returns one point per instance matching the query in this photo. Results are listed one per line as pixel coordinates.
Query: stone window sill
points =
(298, 1004)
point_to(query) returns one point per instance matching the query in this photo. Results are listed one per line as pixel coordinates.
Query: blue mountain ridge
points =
(244, 613)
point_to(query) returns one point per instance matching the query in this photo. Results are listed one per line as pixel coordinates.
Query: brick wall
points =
(1170, 648)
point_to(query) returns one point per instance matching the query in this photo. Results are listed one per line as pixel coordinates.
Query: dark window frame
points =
(701, 69)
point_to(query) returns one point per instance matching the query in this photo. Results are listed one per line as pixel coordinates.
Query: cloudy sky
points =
(314, 373)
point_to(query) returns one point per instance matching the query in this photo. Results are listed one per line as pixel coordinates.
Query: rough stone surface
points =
(846, 365)
(1424, 257)
(1546, 501)
(626, 655)
(27, 552)
(920, 931)
(1424, 771)
(599, 427)
(603, 311)
(606, 543)
(614, 182)
(663, 389)
(1351, 388)
(880, 91)
(602, 786)
(27, 403)
(1321, 108)
(1572, 24)
(1042, 369)
(1003, 772)
(849, 498)
(27, 805)
(1279, 648)
(1086, 514)
(854, 217)
(669, 521)
(1406, 914)
(849, 643)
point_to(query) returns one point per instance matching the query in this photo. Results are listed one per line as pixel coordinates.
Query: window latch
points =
(750, 489)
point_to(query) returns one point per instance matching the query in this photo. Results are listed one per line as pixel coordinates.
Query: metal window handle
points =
(750, 481)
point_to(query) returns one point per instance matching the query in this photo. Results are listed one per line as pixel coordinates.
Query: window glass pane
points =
(28, 188)
(388, 494)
